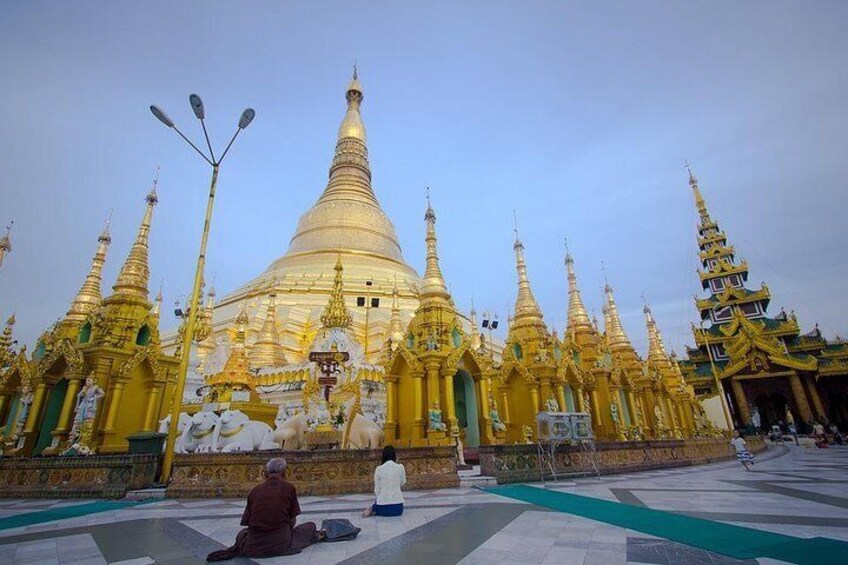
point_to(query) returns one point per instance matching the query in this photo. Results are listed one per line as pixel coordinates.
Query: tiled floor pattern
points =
(800, 493)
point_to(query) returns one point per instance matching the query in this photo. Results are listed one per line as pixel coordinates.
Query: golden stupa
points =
(346, 220)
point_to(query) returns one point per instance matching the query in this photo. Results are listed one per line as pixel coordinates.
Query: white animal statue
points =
(165, 426)
(290, 431)
(236, 432)
(198, 434)
(364, 434)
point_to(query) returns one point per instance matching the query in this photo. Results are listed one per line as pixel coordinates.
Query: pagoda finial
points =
(616, 337)
(6, 341)
(133, 278)
(267, 350)
(656, 348)
(699, 200)
(157, 305)
(433, 284)
(6, 242)
(525, 304)
(89, 296)
(336, 314)
(395, 323)
(578, 317)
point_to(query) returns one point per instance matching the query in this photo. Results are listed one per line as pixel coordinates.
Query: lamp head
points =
(161, 116)
(197, 106)
(246, 117)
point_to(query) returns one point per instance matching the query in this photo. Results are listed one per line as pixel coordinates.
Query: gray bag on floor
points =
(339, 529)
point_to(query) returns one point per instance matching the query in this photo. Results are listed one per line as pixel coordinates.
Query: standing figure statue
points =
(460, 448)
(659, 422)
(435, 414)
(497, 425)
(551, 404)
(23, 413)
(85, 411)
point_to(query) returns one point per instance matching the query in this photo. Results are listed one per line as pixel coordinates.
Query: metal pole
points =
(719, 387)
(176, 405)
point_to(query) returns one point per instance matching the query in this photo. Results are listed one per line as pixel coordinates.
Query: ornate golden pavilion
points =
(766, 366)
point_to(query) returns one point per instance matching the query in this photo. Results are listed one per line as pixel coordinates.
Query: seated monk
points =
(270, 518)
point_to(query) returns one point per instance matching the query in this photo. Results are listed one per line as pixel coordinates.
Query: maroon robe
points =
(270, 517)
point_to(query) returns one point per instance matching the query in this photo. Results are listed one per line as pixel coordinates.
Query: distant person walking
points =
(742, 454)
(389, 477)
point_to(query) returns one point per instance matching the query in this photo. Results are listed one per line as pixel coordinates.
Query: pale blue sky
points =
(579, 115)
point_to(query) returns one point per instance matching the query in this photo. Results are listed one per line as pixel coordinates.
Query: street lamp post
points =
(246, 117)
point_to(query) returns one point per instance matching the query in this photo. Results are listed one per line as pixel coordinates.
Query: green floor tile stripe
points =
(41, 516)
(727, 539)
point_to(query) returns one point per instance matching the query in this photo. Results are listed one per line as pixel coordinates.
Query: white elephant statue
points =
(290, 431)
(364, 434)
(165, 426)
(236, 432)
(198, 434)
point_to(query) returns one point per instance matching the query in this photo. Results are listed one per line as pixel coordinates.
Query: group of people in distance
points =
(270, 517)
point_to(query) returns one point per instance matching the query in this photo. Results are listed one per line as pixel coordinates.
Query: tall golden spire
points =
(88, 298)
(475, 330)
(656, 349)
(578, 317)
(525, 304)
(616, 338)
(157, 304)
(433, 284)
(134, 275)
(210, 342)
(6, 340)
(336, 314)
(240, 327)
(395, 323)
(347, 210)
(699, 200)
(266, 350)
(6, 243)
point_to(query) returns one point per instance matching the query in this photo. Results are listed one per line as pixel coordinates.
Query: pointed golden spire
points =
(475, 330)
(6, 339)
(616, 338)
(88, 298)
(6, 243)
(699, 200)
(433, 284)
(134, 275)
(336, 314)
(157, 305)
(266, 350)
(395, 323)
(240, 327)
(210, 342)
(657, 356)
(578, 317)
(525, 304)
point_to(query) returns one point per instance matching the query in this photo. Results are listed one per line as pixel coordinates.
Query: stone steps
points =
(469, 478)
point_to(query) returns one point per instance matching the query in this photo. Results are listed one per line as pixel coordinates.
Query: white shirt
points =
(388, 478)
(738, 444)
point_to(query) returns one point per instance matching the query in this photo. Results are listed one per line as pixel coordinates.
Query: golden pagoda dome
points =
(346, 221)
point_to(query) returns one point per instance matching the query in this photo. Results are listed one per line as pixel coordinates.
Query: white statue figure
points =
(551, 404)
(236, 432)
(364, 434)
(755, 418)
(165, 427)
(197, 436)
(460, 449)
(290, 431)
(435, 417)
(319, 415)
(85, 411)
(23, 412)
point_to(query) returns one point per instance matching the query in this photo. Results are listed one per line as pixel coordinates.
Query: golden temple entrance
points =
(466, 408)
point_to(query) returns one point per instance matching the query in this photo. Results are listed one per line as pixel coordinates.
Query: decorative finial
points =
(515, 224)
(355, 69)
(152, 197)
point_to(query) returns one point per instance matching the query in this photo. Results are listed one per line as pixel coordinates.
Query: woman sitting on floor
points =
(388, 480)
